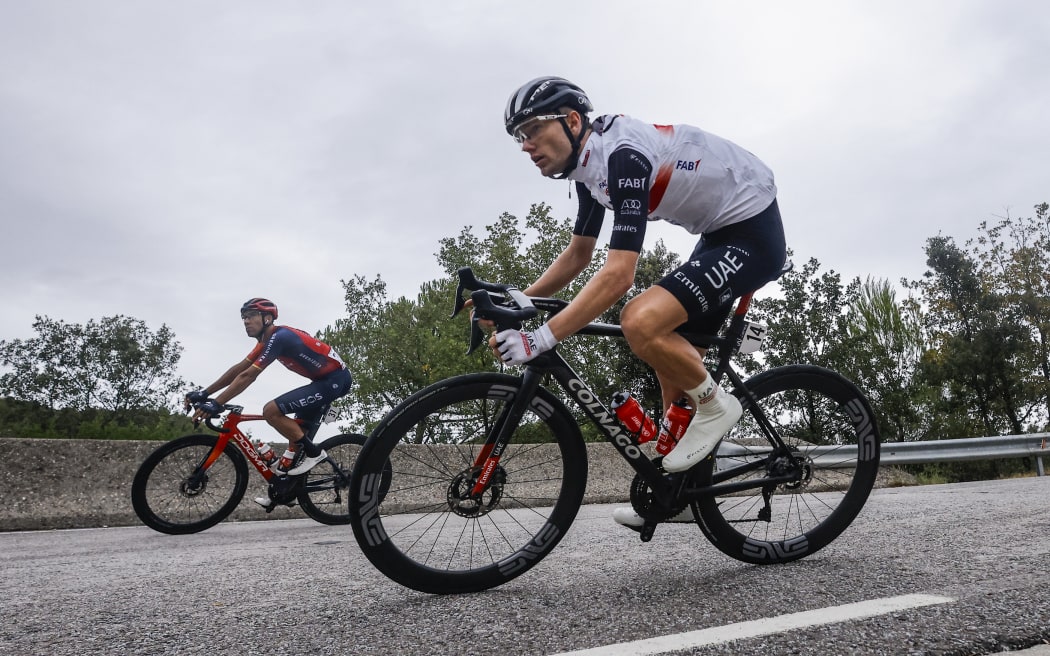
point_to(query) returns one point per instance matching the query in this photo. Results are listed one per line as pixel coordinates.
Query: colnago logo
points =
(608, 422)
(687, 165)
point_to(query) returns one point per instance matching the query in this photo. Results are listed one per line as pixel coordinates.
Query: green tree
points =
(976, 356)
(396, 347)
(1014, 260)
(115, 364)
(807, 322)
(886, 345)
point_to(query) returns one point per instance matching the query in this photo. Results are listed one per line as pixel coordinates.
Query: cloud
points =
(169, 160)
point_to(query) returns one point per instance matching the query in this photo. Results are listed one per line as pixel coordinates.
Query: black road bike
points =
(471, 481)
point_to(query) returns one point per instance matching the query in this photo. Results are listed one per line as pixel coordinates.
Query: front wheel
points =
(172, 493)
(432, 532)
(833, 441)
(324, 493)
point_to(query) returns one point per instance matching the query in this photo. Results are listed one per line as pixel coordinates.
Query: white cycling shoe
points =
(307, 463)
(704, 433)
(269, 504)
(626, 516)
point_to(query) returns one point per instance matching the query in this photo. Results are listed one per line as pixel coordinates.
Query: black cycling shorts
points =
(308, 401)
(725, 265)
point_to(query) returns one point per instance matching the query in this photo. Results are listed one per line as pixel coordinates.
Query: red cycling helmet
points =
(260, 304)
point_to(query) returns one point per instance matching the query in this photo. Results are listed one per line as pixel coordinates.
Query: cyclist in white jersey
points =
(645, 172)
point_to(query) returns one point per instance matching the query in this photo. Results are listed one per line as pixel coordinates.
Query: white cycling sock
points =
(707, 397)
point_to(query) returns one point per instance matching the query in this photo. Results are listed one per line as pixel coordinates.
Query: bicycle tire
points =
(806, 516)
(167, 499)
(423, 535)
(325, 492)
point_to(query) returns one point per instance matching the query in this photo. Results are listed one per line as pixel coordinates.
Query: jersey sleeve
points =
(590, 215)
(629, 174)
(251, 357)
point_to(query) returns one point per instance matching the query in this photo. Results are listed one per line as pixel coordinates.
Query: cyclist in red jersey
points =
(299, 352)
(644, 172)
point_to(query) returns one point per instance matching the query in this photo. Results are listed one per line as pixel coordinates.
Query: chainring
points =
(646, 506)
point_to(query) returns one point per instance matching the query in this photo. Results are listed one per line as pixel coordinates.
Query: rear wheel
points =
(325, 491)
(833, 442)
(171, 493)
(430, 532)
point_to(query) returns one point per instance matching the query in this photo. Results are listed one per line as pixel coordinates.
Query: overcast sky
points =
(168, 160)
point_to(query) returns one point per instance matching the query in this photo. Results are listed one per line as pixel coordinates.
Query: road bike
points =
(194, 482)
(489, 469)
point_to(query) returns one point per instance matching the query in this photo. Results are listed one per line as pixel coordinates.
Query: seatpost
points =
(734, 334)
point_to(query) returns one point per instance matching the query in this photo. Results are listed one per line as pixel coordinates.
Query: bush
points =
(29, 419)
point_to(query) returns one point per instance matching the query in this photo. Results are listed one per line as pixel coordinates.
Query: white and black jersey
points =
(675, 173)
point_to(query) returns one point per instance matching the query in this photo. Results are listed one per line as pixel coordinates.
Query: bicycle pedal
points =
(647, 531)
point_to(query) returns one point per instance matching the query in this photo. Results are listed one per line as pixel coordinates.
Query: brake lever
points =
(477, 335)
(484, 308)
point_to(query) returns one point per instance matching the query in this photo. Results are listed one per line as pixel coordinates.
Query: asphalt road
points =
(955, 569)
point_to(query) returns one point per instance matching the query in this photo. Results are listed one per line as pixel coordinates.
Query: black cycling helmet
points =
(261, 305)
(544, 95)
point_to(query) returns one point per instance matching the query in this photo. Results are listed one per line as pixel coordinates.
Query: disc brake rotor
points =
(462, 500)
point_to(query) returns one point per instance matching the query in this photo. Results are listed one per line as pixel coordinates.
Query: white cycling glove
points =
(517, 347)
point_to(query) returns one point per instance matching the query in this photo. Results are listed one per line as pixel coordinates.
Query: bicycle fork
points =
(487, 461)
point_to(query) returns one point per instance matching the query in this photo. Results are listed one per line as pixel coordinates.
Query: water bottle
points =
(673, 426)
(265, 451)
(285, 463)
(631, 415)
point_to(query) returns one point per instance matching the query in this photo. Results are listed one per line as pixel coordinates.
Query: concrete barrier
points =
(49, 484)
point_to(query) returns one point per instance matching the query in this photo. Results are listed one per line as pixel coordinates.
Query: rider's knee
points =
(638, 322)
(271, 412)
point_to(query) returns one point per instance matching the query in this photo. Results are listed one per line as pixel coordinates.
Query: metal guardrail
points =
(975, 448)
(997, 447)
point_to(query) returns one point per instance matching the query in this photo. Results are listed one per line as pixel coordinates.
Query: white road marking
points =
(753, 629)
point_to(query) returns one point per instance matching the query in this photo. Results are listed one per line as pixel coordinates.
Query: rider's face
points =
(547, 145)
(253, 323)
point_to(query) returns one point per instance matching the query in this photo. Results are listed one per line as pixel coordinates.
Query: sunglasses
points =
(530, 128)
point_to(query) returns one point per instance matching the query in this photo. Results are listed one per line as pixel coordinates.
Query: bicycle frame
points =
(668, 489)
(229, 430)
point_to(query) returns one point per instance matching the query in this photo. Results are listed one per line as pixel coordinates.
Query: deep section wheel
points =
(832, 462)
(434, 530)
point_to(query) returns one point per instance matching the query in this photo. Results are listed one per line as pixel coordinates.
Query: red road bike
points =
(194, 482)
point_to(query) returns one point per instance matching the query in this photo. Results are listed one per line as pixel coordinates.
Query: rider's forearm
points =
(228, 377)
(241, 382)
(600, 293)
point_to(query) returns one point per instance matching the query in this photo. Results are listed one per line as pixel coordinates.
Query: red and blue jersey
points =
(298, 351)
